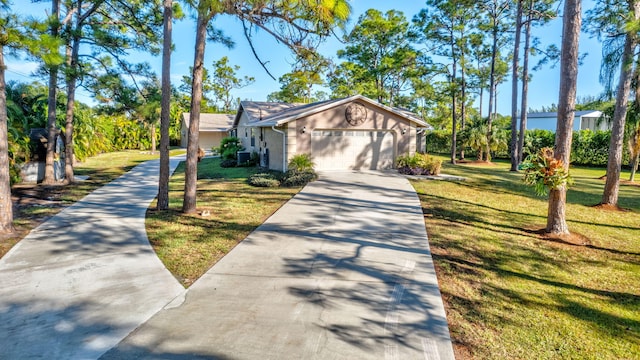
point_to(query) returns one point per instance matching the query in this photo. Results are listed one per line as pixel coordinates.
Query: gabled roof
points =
(278, 114)
(212, 122)
(593, 113)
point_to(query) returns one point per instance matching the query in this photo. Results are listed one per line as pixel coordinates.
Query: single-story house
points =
(349, 133)
(588, 119)
(213, 128)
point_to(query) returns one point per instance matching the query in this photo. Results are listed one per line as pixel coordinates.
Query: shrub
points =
(263, 180)
(418, 164)
(300, 171)
(298, 178)
(229, 148)
(228, 163)
(301, 162)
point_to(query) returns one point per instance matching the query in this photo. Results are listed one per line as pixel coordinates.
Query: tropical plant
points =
(544, 172)
(300, 171)
(301, 162)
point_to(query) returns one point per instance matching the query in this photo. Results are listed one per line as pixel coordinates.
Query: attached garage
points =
(352, 149)
(354, 133)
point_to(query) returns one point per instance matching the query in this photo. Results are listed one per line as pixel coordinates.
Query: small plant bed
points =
(418, 164)
(228, 210)
(511, 291)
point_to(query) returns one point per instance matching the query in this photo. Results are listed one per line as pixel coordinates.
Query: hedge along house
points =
(213, 128)
(349, 133)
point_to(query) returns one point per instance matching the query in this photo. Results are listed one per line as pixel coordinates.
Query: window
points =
(253, 137)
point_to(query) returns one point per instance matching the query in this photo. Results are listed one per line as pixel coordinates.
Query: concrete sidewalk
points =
(83, 280)
(342, 271)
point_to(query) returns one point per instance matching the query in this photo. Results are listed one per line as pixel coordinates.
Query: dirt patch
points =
(571, 239)
(475, 162)
(609, 207)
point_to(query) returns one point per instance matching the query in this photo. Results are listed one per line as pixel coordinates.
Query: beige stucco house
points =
(213, 127)
(349, 133)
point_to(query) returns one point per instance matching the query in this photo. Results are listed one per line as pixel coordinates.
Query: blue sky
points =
(543, 88)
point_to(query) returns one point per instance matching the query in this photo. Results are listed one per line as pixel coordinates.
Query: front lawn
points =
(510, 293)
(189, 245)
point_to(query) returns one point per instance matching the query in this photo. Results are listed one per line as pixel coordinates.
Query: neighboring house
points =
(213, 128)
(589, 119)
(349, 133)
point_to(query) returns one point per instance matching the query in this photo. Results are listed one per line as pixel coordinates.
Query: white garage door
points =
(359, 150)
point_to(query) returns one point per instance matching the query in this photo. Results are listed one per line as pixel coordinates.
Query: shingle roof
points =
(213, 122)
(276, 114)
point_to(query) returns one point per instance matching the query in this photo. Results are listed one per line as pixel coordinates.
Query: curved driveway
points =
(342, 271)
(83, 280)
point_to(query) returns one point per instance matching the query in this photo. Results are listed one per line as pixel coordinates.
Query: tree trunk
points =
(49, 173)
(191, 171)
(463, 100)
(154, 147)
(454, 120)
(514, 90)
(556, 215)
(634, 167)
(6, 206)
(492, 89)
(165, 112)
(612, 185)
(525, 84)
(72, 76)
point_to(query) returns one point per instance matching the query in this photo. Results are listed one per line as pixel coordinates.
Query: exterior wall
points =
(377, 119)
(206, 140)
(543, 124)
(579, 123)
(210, 139)
(274, 142)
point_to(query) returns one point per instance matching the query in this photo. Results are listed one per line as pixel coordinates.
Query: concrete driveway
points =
(83, 280)
(342, 271)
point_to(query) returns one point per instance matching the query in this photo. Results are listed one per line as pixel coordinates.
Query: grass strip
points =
(511, 293)
(228, 210)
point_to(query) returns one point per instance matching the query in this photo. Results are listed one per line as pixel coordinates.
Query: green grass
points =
(189, 245)
(508, 292)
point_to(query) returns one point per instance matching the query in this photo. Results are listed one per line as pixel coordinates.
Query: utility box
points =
(243, 157)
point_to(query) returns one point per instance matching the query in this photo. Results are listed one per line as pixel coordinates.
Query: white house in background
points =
(213, 128)
(588, 119)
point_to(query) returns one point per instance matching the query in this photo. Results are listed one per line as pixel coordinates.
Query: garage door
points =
(359, 150)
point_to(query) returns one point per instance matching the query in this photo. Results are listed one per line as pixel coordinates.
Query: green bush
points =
(438, 141)
(298, 178)
(228, 163)
(263, 180)
(229, 148)
(301, 162)
(418, 164)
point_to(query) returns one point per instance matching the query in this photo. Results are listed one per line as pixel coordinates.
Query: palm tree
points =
(477, 139)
